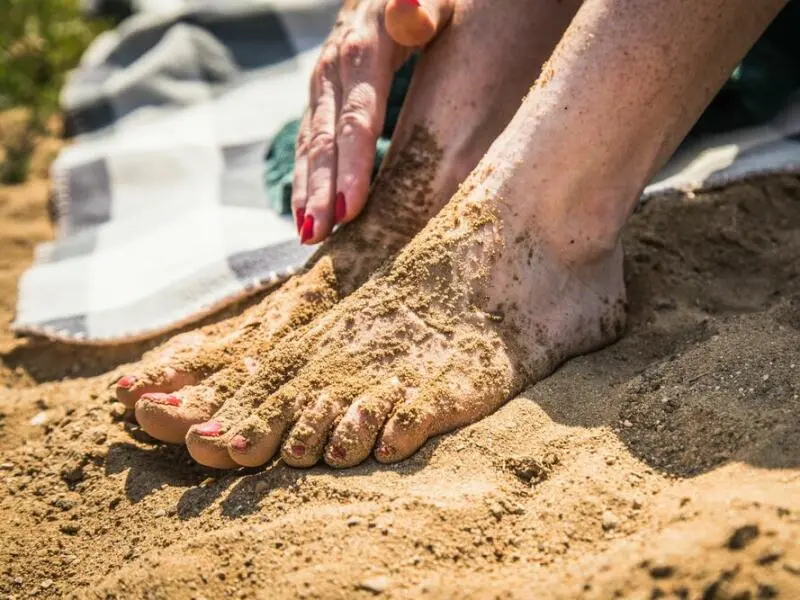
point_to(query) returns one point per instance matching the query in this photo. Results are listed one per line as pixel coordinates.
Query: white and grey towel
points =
(163, 213)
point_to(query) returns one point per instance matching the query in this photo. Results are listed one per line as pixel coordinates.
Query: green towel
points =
(756, 91)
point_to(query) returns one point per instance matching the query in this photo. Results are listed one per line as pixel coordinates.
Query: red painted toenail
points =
(165, 399)
(298, 450)
(338, 452)
(240, 443)
(308, 229)
(209, 429)
(126, 382)
(385, 450)
(413, 3)
(299, 217)
(341, 207)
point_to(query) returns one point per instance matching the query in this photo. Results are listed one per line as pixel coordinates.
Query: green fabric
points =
(757, 89)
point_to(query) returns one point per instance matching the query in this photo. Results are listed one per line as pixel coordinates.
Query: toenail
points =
(338, 453)
(164, 399)
(298, 450)
(413, 3)
(340, 208)
(209, 429)
(240, 443)
(126, 382)
(385, 450)
(299, 217)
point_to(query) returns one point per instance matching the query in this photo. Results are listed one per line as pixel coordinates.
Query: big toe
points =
(168, 416)
(158, 380)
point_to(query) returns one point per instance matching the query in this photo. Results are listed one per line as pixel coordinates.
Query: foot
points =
(483, 302)
(431, 153)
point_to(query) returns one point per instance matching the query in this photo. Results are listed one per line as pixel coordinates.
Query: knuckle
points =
(356, 123)
(356, 51)
(320, 144)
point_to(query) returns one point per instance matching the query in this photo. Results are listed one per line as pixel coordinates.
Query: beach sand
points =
(667, 465)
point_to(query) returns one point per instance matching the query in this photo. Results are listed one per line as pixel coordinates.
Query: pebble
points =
(627, 423)
(7, 466)
(376, 585)
(39, 419)
(46, 584)
(353, 521)
(610, 520)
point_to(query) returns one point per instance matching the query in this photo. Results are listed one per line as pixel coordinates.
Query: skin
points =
(180, 386)
(519, 271)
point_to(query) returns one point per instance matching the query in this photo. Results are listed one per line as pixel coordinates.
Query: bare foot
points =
(431, 152)
(480, 304)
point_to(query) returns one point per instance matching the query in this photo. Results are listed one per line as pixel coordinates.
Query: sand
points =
(667, 465)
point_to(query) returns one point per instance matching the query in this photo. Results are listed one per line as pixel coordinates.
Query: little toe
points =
(168, 417)
(354, 437)
(304, 445)
(158, 380)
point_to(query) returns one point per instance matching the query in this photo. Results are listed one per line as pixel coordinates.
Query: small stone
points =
(353, 521)
(661, 571)
(792, 567)
(637, 504)
(69, 529)
(376, 585)
(742, 537)
(610, 460)
(627, 423)
(160, 513)
(610, 521)
(7, 466)
(46, 584)
(39, 419)
(261, 487)
(765, 377)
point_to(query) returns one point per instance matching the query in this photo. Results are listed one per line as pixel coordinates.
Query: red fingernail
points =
(341, 207)
(299, 217)
(308, 229)
(126, 382)
(298, 450)
(240, 443)
(209, 429)
(165, 399)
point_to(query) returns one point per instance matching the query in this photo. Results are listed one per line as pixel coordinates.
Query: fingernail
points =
(165, 399)
(209, 429)
(341, 207)
(298, 450)
(308, 229)
(299, 217)
(240, 443)
(126, 382)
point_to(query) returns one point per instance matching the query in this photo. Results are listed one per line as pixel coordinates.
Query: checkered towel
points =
(163, 213)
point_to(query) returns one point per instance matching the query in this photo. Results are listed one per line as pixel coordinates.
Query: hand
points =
(349, 90)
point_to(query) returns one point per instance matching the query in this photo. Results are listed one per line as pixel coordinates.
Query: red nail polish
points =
(308, 229)
(163, 399)
(384, 450)
(209, 429)
(338, 453)
(299, 217)
(414, 3)
(340, 208)
(126, 382)
(298, 450)
(240, 443)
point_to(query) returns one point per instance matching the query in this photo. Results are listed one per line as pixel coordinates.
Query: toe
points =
(168, 417)
(414, 23)
(256, 439)
(207, 443)
(437, 409)
(354, 437)
(158, 380)
(306, 440)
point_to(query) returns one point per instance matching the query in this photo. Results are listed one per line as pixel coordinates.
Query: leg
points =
(431, 153)
(523, 267)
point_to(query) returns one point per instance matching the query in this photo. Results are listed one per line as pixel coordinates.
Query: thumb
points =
(414, 23)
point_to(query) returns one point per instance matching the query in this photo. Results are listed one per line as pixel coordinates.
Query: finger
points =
(365, 73)
(318, 219)
(300, 177)
(414, 23)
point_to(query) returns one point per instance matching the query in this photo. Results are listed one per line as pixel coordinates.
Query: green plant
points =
(40, 41)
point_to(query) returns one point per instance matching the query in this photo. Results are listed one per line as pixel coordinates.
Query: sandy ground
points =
(667, 465)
